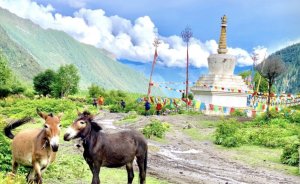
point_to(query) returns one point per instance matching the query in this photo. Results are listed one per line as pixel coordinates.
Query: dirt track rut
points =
(183, 161)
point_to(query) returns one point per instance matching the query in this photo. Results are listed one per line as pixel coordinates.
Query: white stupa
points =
(220, 86)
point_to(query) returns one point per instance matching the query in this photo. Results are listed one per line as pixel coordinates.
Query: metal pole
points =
(187, 74)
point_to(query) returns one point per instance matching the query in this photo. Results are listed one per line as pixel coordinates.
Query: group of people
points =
(158, 108)
(100, 101)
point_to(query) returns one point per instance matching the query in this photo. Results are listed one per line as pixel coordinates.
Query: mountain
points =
(289, 82)
(31, 49)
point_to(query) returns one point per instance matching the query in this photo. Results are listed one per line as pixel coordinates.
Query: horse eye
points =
(82, 122)
(45, 126)
(59, 125)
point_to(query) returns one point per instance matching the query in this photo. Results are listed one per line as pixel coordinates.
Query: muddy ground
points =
(182, 160)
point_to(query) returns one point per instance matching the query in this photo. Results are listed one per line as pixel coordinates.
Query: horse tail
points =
(13, 125)
(145, 160)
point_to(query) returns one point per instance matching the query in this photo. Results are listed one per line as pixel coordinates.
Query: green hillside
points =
(289, 81)
(31, 49)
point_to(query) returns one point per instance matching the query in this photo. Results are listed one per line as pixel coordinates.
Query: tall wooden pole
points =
(186, 34)
(155, 44)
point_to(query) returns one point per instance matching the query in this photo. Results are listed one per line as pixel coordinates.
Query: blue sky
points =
(268, 23)
(127, 29)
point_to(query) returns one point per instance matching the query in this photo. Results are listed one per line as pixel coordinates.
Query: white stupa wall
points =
(222, 99)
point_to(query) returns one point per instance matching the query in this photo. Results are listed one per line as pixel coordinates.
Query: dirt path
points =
(182, 160)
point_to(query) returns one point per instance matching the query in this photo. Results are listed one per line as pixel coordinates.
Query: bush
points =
(239, 113)
(226, 133)
(290, 154)
(155, 128)
(95, 91)
(295, 117)
(4, 91)
(18, 108)
(5, 152)
(131, 115)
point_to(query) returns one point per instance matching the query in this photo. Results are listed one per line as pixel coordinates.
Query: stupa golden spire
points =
(222, 42)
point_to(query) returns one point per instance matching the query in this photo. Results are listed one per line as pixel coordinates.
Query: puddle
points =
(191, 151)
(175, 154)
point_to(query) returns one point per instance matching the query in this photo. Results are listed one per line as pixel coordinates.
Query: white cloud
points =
(125, 39)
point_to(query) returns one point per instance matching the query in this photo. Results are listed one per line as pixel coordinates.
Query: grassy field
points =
(264, 150)
(258, 142)
(69, 167)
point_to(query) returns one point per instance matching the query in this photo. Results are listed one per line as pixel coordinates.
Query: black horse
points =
(109, 150)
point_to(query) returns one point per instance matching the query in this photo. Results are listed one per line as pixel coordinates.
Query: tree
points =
(5, 72)
(66, 81)
(271, 68)
(95, 91)
(263, 87)
(43, 82)
(9, 84)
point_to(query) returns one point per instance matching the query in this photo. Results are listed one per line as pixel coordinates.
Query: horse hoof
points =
(10, 174)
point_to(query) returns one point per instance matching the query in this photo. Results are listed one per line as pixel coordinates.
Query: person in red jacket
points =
(100, 101)
(158, 108)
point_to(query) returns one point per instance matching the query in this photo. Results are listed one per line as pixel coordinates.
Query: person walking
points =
(100, 102)
(158, 108)
(123, 104)
(95, 102)
(147, 107)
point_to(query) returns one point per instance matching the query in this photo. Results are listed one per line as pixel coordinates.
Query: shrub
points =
(14, 108)
(131, 115)
(226, 133)
(239, 113)
(295, 117)
(95, 91)
(155, 128)
(290, 154)
(5, 152)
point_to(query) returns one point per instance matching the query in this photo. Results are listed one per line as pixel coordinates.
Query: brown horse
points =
(109, 150)
(35, 148)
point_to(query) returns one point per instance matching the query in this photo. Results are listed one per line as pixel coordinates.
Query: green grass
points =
(260, 157)
(198, 135)
(69, 166)
(128, 119)
(201, 130)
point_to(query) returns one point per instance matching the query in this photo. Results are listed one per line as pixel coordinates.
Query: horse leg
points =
(130, 172)
(30, 176)
(37, 169)
(95, 168)
(142, 172)
(15, 167)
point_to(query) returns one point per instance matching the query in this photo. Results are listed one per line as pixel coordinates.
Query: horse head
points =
(52, 128)
(82, 126)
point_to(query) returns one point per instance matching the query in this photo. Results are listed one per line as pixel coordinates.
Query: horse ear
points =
(95, 126)
(60, 115)
(41, 114)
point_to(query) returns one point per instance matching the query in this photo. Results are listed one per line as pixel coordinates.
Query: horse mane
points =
(94, 124)
(86, 113)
